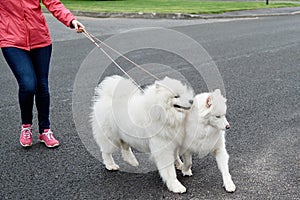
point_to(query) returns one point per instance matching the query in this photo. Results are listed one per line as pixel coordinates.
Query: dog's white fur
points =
(205, 133)
(150, 121)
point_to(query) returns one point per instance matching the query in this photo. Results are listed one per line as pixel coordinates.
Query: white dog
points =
(150, 121)
(205, 133)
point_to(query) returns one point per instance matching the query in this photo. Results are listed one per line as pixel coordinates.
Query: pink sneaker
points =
(26, 135)
(48, 138)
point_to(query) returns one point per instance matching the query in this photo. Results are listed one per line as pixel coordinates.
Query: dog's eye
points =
(218, 117)
(176, 96)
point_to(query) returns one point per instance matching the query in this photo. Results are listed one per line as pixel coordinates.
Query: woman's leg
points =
(41, 62)
(21, 65)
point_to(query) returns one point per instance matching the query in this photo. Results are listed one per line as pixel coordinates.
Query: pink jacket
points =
(23, 25)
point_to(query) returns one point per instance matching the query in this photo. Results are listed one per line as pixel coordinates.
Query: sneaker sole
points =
(55, 145)
(26, 145)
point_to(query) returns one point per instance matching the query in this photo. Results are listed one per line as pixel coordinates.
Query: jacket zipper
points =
(27, 45)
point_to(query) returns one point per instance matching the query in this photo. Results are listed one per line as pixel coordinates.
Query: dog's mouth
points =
(181, 107)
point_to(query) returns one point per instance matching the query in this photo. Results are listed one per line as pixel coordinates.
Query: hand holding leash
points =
(79, 27)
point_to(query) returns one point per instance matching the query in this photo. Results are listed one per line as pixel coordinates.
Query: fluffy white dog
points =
(205, 133)
(150, 121)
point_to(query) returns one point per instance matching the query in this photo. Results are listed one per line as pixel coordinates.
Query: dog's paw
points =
(176, 187)
(187, 173)
(112, 167)
(229, 186)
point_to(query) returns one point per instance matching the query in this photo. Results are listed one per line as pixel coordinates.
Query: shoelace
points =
(49, 135)
(26, 133)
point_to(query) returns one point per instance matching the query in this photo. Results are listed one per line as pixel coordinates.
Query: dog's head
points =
(175, 95)
(212, 106)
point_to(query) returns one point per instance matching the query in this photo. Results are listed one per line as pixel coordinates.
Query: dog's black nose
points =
(191, 101)
(227, 126)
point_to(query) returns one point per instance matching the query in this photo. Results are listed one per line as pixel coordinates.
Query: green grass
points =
(168, 6)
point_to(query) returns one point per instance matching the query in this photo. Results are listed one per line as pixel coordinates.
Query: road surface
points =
(258, 60)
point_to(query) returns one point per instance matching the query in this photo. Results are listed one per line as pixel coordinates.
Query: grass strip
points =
(169, 6)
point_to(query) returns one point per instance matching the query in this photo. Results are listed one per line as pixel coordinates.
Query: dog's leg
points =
(187, 164)
(222, 158)
(164, 157)
(128, 155)
(178, 163)
(109, 162)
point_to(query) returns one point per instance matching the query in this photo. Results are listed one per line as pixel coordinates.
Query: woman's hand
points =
(79, 27)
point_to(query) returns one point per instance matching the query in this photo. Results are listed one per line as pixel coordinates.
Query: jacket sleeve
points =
(59, 11)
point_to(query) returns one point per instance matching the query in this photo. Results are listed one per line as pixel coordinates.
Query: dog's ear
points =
(217, 94)
(217, 91)
(157, 85)
(208, 102)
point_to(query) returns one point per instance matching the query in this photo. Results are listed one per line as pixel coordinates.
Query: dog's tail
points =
(114, 87)
(107, 86)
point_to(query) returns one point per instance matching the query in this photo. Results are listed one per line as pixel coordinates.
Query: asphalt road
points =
(259, 62)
